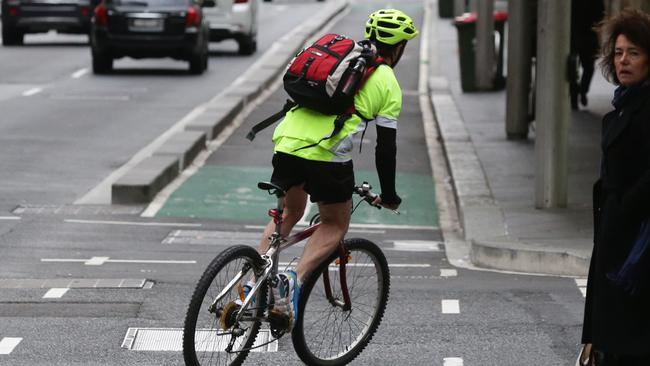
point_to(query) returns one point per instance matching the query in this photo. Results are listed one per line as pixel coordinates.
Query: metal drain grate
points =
(171, 339)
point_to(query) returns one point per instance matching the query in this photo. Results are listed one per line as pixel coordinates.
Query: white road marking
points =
(450, 307)
(397, 265)
(32, 91)
(79, 73)
(416, 246)
(55, 293)
(171, 340)
(7, 344)
(97, 261)
(135, 223)
(581, 282)
(582, 286)
(448, 273)
(9, 217)
(452, 361)
(367, 226)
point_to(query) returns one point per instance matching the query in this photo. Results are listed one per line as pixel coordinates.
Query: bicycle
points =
(337, 316)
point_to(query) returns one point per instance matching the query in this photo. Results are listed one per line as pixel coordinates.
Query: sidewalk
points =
(494, 178)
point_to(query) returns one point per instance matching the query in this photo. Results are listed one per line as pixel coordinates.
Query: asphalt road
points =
(119, 271)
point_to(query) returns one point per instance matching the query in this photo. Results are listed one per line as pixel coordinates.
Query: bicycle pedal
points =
(279, 321)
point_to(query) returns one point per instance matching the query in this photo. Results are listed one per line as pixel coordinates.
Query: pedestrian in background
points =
(617, 309)
(585, 14)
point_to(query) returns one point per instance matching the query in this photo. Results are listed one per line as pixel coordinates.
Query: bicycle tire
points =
(222, 269)
(366, 263)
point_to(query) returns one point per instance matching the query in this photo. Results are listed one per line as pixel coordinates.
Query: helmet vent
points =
(383, 34)
(387, 24)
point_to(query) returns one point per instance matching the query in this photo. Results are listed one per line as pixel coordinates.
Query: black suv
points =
(150, 28)
(35, 16)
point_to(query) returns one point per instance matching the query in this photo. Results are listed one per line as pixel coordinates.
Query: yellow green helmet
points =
(390, 26)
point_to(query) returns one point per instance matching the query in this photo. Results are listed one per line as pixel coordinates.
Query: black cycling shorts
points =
(326, 182)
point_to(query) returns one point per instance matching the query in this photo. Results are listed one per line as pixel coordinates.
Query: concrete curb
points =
(145, 180)
(481, 217)
(142, 182)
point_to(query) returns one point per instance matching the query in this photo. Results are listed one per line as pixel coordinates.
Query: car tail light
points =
(240, 1)
(13, 11)
(101, 15)
(193, 17)
(84, 11)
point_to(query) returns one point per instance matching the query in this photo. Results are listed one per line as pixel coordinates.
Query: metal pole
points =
(485, 56)
(552, 123)
(520, 53)
(459, 7)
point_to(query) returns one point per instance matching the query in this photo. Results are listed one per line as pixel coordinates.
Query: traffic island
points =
(145, 180)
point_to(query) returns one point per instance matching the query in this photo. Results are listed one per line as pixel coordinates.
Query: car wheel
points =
(102, 64)
(267, 1)
(198, 63)
(247, 45)
(11, 36)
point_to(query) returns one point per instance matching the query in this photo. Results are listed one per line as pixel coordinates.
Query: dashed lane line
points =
(79, 73)
(32, 91)
(450, 306)
(452, 361)
(416, 246)
(7, 344)
(9, 217)
(448, 272)
(55, 293)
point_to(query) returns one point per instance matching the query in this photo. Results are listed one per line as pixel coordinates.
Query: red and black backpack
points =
(325, 77)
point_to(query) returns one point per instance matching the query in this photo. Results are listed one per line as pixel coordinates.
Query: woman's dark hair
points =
(634, 25)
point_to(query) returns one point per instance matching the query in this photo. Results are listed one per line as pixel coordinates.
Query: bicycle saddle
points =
(271, 188)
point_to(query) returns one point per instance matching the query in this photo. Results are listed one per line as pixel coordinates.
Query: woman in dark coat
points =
(617, 319)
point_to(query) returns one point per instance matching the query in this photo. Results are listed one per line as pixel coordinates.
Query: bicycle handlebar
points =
(364, 190)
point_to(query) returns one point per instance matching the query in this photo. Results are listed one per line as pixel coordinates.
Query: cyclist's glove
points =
(390, 199)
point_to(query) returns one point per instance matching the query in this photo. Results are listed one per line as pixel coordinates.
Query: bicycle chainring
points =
(229, 315)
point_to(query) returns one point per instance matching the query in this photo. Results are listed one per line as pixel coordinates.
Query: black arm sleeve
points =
(385, 161)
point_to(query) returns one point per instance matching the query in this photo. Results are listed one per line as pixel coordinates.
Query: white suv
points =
(234, 19)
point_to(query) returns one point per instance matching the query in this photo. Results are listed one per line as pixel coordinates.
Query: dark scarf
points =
(624, 94)
(630, 276)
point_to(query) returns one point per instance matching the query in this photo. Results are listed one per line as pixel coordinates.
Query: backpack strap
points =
(338, 126)
(271, 120)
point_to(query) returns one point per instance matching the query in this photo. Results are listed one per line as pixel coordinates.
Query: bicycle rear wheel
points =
(325, 333)
(205, 341)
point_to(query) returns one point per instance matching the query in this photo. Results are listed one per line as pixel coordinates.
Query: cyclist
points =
(325, 171)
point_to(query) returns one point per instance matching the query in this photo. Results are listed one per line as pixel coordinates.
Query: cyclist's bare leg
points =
(335, 219)
(294, 208)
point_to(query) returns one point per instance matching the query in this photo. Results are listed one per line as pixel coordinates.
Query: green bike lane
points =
(225, 187)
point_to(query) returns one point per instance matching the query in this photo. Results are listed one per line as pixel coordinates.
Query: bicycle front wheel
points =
(211, 335)
(328, 334)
